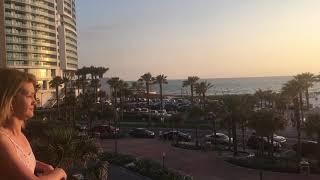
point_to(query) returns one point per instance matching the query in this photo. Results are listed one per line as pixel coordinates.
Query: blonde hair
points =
(10, 83)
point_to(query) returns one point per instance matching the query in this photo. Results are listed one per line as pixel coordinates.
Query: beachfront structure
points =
(39, 37)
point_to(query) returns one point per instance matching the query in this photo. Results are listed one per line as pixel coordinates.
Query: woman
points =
(17, 103)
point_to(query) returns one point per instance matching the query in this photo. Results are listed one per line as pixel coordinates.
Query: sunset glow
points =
(207, 38)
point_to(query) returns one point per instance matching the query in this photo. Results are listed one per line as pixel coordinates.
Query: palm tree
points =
(202, 88)
(247, 106)
(196, 113)
(293, 90)
(77, 84)
(56, 82)
(148, 79)
(176, 120)
(93, 72)
(233, 105)
(161, 79)
(312, 127)
(306, 80)
(70, 101)
(64, 149)
(136, 87)
(82, 77)
(66, 80)
(260, 95)
(226, 124)
(123, 86)
(96, 74)
(281, 103)
(191, 81)
(95, 83)
(266, 122)
(114, 83)
(213, 110)
(266, 98)
(101, 71)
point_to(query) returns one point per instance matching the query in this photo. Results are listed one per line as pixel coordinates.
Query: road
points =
(201, 165)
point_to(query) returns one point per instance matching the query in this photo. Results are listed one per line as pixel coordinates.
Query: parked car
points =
(104, 131)
(154, 112)
(81, 127)
(219, 138)
(279, 139)
(144, 110)
(180, 136)
(254, 142)
(141, 133)
(308, 148)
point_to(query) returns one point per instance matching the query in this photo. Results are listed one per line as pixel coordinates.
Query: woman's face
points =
(24, 103)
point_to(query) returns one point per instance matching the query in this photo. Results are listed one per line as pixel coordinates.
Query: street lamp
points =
(163, 157)
(212, 117)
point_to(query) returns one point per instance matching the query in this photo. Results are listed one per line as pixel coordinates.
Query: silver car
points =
(220, 138)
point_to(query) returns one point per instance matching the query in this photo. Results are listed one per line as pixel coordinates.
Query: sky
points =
(205, 38)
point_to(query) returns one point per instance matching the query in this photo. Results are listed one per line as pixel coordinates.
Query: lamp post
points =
(212, 117)
(163, 157)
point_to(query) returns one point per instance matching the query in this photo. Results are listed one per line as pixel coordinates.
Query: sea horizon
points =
(221, 86)
(241, 77)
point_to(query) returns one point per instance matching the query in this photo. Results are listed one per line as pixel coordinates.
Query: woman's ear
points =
(13, 102)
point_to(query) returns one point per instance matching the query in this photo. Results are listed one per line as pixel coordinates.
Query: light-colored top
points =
(28, 159)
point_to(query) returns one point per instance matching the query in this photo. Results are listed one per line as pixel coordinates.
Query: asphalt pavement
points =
(119, 173)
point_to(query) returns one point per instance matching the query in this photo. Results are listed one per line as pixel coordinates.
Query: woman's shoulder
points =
(5, 143)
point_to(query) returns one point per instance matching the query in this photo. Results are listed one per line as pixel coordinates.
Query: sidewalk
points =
(119, 173)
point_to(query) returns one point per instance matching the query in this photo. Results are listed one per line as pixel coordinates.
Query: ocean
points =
(229, 85)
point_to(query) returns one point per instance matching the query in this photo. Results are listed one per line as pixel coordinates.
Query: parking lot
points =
(201, 165)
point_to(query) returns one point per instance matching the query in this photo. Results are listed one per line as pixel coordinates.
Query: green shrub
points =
(155, 171)
(117, 159)
(276, 165)
(144, 167)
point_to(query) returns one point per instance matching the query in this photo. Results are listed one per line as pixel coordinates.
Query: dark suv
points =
(180, 136)
(141, 133)
(104, 131)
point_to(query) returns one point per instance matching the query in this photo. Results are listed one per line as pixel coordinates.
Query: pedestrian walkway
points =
(119, 173)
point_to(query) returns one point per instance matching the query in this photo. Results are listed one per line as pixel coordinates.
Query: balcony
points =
(71, 46)
(70, 28)
(29, 10)
(29, 26)
(29, 34)
(29, 2)
(29, 42)
(72, 55)
(26, 63)
(71, 42)
(70, 24)
(29, 18)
